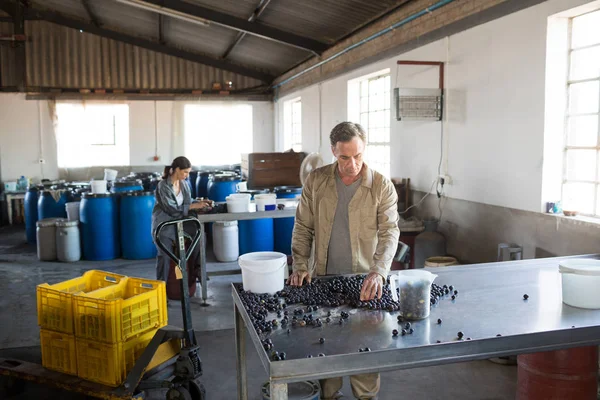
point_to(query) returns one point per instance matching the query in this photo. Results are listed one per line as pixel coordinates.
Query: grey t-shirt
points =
(339, 255)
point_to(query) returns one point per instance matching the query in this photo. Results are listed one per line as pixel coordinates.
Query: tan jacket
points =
(373, 216)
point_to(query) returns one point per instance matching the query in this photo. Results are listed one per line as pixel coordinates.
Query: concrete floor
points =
(20, 272)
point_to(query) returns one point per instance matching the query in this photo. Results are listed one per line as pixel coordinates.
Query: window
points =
(292, 120)
(217, 134)
(581, 171)
(369, 105)
(92, 134)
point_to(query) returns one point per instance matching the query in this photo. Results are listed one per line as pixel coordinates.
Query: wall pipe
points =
(397, 25)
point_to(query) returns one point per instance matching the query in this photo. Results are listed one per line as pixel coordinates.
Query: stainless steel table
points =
(490, 302)
(204, 218)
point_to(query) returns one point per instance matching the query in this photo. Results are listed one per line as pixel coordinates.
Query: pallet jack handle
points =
(181, 261)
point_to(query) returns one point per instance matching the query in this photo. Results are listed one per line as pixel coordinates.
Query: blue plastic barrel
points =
(192, 181)
(136, 225)
(256, 235)
(202, 184)
(284, 227)
(222, 185)
(127, 186)
(98, 217)
(50, 208)
(31, 213)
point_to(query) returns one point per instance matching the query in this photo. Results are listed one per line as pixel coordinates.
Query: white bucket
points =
(98, 186)
(110, 174)
(242, 186)
(266, 202)
(238, 202)
(580, 283)
(263, 272)
(73, 210)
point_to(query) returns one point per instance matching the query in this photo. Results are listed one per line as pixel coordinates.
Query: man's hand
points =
(298, 277)
(372, 286)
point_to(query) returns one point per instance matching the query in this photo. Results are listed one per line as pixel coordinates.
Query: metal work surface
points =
(490, 302)
(203, 218)
(289, 212)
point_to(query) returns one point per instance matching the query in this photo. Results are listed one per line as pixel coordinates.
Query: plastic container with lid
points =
(580, 283)
(237, 202)
(414, 291)
(266, 202)
(68, 245)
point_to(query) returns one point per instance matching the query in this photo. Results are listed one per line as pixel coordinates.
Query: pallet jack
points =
(170, 361)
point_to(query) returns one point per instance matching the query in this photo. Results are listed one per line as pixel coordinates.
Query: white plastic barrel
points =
(68, 245)
(263, 272)
(73, 210)
(225, 241)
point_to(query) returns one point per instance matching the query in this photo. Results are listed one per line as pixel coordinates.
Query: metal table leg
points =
(240, 350)
(279, 391)
(9, 209)
(203, 273)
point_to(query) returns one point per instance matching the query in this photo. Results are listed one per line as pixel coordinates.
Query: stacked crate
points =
(98, 325)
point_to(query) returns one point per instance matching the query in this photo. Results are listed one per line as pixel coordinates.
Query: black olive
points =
(456, 292)
(403, 332)
(395, 332)
(438, 341)
(407, 326)
(498, 335)
(525, 296)
(309, 356)
(439, 321)
(411, 331)
(321, 355)
(328, 320)
(366, 349)
(453, 297)
(460, 335)
(321, 340)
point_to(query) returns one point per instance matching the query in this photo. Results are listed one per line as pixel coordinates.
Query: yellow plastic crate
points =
(58, 351)
(54, 302)
(120, 312)
(109, 364)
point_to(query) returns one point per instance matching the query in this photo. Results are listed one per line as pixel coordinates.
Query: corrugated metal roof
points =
(324, 20)
(64, 57)
(238, 8)
(8, 71)
(266, 54)
(212, 39)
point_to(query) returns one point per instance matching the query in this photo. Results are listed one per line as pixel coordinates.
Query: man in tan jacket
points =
(349, 213)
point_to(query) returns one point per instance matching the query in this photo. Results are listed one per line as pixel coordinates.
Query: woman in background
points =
(173, 201)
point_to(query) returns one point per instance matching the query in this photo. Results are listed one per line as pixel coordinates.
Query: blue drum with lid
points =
(31, 213)
(98, 217)
(222, 185)
(136, 225)
(51, 203)
(202, 179)
(127, 186)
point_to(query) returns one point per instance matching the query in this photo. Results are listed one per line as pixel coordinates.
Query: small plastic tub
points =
(266, 202)
(414, 292)
(263, 272)
(580, 283)
(238, 202)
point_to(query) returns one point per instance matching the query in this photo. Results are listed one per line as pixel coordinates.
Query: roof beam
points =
(161, 27)
(90, 12)
(182, 8)
(63, 20)
(257, 12)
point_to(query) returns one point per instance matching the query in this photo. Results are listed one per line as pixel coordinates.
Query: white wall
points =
(21, 137)
(494, 135)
